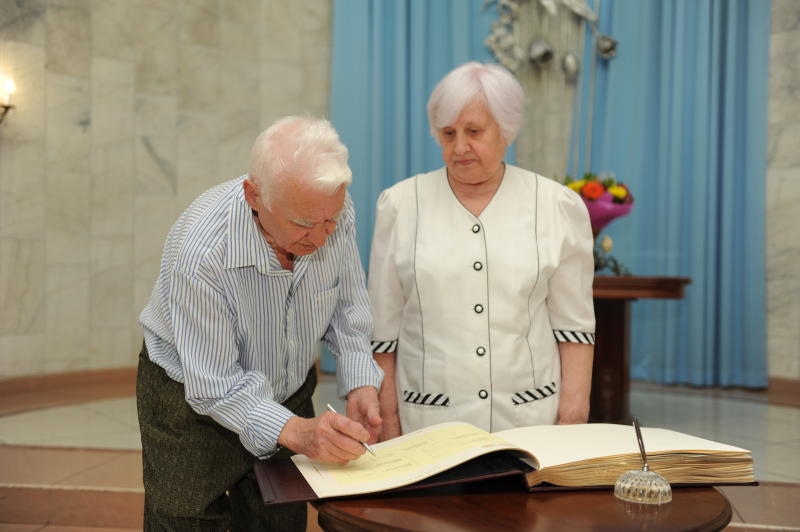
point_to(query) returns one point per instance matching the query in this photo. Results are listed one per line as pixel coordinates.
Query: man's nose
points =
(317, 235)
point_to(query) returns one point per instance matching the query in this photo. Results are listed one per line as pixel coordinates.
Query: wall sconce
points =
(7, 88)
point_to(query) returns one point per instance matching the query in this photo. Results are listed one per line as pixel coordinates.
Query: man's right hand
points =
(330, 437)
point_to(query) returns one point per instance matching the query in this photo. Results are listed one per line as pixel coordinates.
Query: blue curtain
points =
(387, 57)
(680, 116)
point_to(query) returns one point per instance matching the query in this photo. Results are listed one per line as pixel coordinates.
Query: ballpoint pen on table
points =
(365, 444)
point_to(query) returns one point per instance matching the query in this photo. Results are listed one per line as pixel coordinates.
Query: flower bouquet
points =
(606, 200)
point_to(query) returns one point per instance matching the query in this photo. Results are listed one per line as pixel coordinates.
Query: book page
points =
(401, 461)
(553, 445)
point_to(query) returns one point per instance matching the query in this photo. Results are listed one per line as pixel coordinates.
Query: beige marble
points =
(198, 22)
(785, 16)
(154, 144)
(68, 38)
(22, 294)
(67, 318)
(126, 111)
(113, 31)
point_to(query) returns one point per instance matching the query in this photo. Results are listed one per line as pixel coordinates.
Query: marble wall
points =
(125, 111)
(783, 193)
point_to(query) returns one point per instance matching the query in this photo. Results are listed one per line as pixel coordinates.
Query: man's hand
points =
(330, 437)
(363, 407)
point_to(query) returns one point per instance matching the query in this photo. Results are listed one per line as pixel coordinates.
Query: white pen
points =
(365, 444)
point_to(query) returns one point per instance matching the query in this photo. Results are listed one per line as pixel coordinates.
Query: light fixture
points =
(7, 88)
(540, 52)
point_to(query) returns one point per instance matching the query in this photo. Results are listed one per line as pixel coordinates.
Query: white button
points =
(478, 308)
(480, 351)
(476, 228)
(478, 266)
(483, 394)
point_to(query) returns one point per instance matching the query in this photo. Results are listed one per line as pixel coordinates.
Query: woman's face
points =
(473, 146)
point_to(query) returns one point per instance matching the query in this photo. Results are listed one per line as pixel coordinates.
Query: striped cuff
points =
(575, 337)
(383, 347)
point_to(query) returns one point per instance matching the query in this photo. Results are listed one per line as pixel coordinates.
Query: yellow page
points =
(562, 444)
(401, 461)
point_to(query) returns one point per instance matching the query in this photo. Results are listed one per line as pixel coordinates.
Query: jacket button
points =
(476, 228)
(483, 394)
(478, 308)
(478, 266)
(480, 351)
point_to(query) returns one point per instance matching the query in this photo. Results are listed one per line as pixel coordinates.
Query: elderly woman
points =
(480, 276)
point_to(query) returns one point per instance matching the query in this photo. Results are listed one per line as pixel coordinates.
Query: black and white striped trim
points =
(533, 395)
(429, 399)
(383, 347)
(574, 337)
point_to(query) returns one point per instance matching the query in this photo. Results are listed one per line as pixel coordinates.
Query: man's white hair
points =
(489, 83)
(301, 150)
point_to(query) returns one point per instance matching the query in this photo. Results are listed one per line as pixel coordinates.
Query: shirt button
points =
(478, 266)
(478, 308)
(483, 394)
(480, 351)
(476, 228)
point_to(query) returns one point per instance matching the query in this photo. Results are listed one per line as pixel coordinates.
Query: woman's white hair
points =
(490, 83)
(299, 149)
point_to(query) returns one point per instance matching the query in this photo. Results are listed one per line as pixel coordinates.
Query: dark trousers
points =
(197, 474)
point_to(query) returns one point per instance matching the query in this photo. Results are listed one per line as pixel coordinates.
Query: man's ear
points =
(251, 194)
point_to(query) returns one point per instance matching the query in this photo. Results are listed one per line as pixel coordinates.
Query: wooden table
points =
(612, 309)
(486, 508)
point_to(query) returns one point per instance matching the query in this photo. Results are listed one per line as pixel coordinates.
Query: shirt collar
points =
(246, 245)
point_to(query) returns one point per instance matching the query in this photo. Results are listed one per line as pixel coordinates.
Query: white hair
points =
(299, 149)
(489, 83)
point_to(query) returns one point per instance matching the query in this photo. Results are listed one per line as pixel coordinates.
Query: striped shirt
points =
(239, 331)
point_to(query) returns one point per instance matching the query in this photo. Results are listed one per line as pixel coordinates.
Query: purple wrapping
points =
(603, 210)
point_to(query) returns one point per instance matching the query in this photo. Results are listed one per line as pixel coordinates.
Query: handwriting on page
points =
(412, 455)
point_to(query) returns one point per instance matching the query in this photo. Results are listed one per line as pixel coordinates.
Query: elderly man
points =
(254, 273)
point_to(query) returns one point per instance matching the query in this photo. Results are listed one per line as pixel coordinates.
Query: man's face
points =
(299, 219)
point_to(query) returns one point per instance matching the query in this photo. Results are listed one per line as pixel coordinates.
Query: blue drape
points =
(680, 116)
(387, 57)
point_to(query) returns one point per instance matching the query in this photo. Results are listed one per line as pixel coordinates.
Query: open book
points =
(576, 456)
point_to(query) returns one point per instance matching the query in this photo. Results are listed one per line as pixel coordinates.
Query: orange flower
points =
(592, 190)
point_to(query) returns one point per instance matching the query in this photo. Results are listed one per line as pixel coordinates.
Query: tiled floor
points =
(72, 460)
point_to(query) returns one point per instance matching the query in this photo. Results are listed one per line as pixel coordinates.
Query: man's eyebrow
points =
(307, 223)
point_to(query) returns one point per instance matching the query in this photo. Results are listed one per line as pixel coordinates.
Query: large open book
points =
(545, 456)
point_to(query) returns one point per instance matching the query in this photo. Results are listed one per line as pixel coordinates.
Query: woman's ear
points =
(251, 195)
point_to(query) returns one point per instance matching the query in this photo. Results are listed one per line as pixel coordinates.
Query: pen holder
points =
(642, 486)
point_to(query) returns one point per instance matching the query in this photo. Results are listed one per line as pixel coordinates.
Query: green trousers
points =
(197, 474)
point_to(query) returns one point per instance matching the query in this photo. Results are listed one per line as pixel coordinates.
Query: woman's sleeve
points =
(385, 290)
(569, 300)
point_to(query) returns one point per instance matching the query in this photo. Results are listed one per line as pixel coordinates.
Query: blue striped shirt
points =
(239, 331)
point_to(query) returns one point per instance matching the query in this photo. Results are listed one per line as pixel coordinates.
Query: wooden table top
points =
(481, 507)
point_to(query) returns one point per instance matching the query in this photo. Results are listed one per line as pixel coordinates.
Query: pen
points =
(365, 444)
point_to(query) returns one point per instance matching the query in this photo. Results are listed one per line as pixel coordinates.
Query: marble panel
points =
(112, 100)
(166, 5)
(785, 15)
(784, 354)
(155, 144)
(113, 34)
(67, 206)
(198, 22)
(114, 348)
(153, 216)
(23, 21)
(156, 51)
(68, 123)
(22, 185)
(67, 318)
(316, 86)
(198, 157)
(25, 64)
(783, 186)
(282, 88)
(68, 38)
(315, 28)
(246, 12)
(112, 189)
(234, 152)
(21, 355)
(111, 284)
(22, 295)
(198, 82)
(784, 77)
(782, 142)
(283, 32)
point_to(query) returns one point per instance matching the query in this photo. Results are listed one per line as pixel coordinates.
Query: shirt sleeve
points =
(215, 383)
(569, 300)
(385, 290)
(351, 325)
